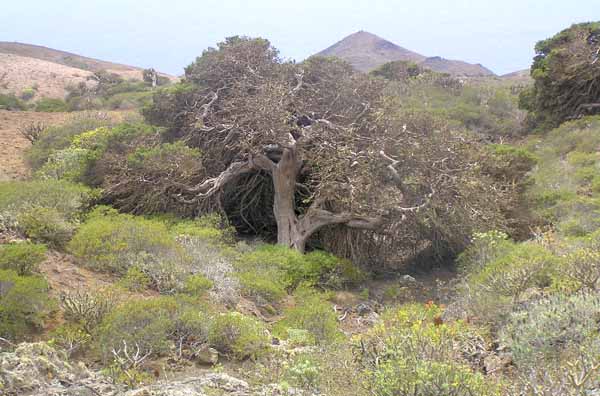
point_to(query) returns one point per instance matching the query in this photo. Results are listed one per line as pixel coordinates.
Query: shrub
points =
(22, 257)
(580, 267)
(238, 335)
(428, 378)
(46, 225)
(413, 352)
(70, 337)
(213, 262)
(51, 105)
(24, 304)
(270, 270)
(484, 248)
(45, 210)
(197, 285)
(114, 242)
(59, 137)
(548, 327)
(88, 308)
(71, 200)
(494, 291)
(572, 375)
(304, 373)
(312, 313)
(135, 280)
(11, 102)
(27, 94)
(139, 324)
(70, 164)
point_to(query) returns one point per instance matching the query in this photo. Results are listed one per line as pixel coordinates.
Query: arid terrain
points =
(13, 144)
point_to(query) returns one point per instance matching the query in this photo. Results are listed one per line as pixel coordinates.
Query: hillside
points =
(23, 66)
(456, 67)
(366, 51)
(522, 76)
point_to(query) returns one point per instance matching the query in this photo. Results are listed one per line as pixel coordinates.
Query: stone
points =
(207, 355)
(407, 279)
(496, 363)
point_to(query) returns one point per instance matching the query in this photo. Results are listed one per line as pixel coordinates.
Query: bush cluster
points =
(412, 352)
(22, 257)
(24, 304)
(46, 211)
(113, 242)
(270, 271)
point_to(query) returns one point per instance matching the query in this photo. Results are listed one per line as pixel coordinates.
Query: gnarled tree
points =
(318, 133)
(566, 70)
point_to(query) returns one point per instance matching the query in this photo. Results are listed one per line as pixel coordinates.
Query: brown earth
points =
(13, 145)
(51, 71)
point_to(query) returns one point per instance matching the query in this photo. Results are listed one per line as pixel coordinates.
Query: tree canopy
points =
(309, 151)
(566, 71)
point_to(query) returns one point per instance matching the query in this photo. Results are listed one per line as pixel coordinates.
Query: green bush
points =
(22, 257)
(46, 225)
(70, 337)
(24, 304)
(197, 285)
(11, 102)
(135, 280)
(113, 242)
(312, 313)
(62, 203)
(429, 378)
(547, 328)
(141, 323)
(413, 352)
(270, 270)
(238, 336)
(88, 308)
(500, 284)
(59, 137)
(71, 164)
(51, 105)
(27, 94)
(484, 248)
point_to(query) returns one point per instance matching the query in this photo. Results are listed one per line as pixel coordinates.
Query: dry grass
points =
(13, 144)
(18, 73)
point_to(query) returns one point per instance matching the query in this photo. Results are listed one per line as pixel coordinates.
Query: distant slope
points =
(18, 73)
(456, 67)
(23, 66)
(68, 59)
(366, 51)
(520, 75)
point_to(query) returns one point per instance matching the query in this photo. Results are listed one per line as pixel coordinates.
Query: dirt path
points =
(13, 145)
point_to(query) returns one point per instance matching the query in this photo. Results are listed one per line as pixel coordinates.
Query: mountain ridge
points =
(366, 51)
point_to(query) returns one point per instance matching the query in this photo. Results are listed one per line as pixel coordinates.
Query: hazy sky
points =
(168, 35)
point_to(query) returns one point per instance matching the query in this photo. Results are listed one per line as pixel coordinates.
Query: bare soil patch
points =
(13, 145)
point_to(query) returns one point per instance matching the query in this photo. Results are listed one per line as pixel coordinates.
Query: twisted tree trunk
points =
(284, 174)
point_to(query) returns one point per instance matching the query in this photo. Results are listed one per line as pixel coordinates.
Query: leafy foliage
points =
(550, 327)
(238, 335)
(114, 242)
(566, 74)
(21, 257)
(47, 210)
(24, 304)
(269, 271)
(312, 313)
(412, 353)
(59, 137)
